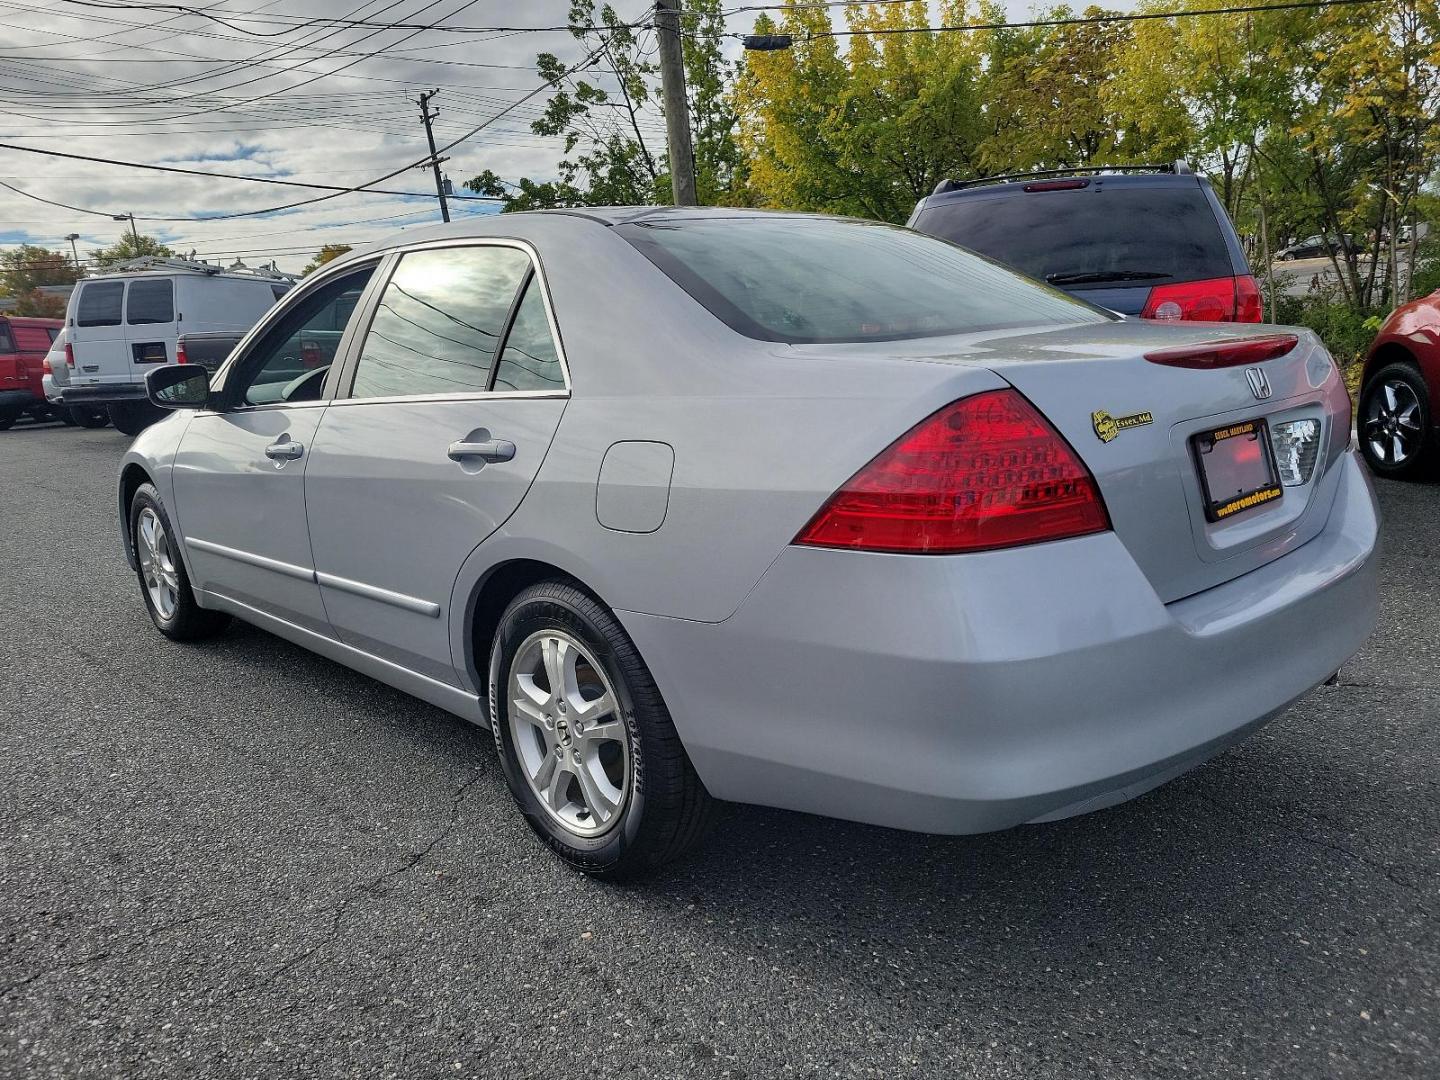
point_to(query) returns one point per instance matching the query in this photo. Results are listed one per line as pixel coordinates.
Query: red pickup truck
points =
(23, 345)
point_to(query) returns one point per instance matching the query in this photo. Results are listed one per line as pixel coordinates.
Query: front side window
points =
(99, 303)
(530, 360)
(289, 363)
(439, 322)
(807, 280)
(150, 302)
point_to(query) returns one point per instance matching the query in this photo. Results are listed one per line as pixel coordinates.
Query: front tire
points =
(133, 417)
(1395, 427)
(589, 752)
(164, 584)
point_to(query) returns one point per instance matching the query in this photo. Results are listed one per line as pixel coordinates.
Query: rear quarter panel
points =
(762, 435)
(1412, 332)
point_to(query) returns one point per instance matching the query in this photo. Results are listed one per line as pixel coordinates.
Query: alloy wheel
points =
(157, 563)
(568, 734)
(1391, 427)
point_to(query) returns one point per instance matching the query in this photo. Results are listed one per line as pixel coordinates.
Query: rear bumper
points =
(964, 694)
(105, 395)
(53, 394)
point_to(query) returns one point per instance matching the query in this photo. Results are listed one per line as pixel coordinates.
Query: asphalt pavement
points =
(240, 860)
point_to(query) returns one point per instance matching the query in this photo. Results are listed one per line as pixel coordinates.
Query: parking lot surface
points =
(240, 860)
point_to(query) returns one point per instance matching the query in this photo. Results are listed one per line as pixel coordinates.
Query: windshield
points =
(810, 280)
(1090, 235)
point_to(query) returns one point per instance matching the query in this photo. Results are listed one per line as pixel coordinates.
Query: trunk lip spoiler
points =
(1228, 352)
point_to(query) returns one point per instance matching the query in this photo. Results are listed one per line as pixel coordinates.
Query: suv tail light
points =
(1248, 306)
(984, 472)
(69, 355)
(1211, 300)
(1227, 299)
(180, 357)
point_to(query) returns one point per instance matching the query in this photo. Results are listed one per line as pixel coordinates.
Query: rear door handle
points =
(284, 451)
(489, 450)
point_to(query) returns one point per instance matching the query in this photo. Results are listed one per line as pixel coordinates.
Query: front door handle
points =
(489, 450)
(288, 450)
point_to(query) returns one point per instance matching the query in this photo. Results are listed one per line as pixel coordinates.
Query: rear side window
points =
(1090, 236)
(99, 303)
(530, 360)
(150, 302)
(809, 280)
(7, 341)
(439, 322)
(54, 334)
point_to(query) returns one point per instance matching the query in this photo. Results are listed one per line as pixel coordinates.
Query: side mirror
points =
(178, 386)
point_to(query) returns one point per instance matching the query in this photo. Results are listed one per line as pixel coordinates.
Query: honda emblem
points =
(1259, 383)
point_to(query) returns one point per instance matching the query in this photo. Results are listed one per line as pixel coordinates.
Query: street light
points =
(130, 218)
(72, 237)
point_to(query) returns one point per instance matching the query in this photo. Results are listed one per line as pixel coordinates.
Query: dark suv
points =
(1147, 240)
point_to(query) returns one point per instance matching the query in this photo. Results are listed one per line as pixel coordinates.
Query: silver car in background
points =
(783, 509)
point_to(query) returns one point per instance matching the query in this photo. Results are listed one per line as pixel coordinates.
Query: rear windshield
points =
(99, 304)
(809, 280)
(150, 302)
(1073, 237)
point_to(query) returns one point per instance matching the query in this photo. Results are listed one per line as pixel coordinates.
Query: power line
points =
(1078, 21)
(297, 22)
(334, 192)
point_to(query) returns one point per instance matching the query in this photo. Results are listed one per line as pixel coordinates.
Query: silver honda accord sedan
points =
(785, 509)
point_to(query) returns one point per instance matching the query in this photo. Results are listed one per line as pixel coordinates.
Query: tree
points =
(869, 131)
(613, 152)
(1049, 95)
(24, 269)
(130, 247)
(326, 254)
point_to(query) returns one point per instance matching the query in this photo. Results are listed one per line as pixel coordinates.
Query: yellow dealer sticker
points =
(1107, 426)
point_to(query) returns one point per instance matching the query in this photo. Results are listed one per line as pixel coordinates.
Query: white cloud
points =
(174, 89)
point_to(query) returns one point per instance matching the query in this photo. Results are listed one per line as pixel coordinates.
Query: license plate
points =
(1237, 468)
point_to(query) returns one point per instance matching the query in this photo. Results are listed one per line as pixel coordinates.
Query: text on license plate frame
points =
(1204, 444)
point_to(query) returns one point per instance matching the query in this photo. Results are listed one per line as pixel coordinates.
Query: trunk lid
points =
(1139, 447)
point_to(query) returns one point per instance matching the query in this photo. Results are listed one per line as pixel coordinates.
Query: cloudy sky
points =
(269, 94)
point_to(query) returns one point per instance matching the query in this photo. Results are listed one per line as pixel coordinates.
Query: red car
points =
(1400, 393)
(23, 345)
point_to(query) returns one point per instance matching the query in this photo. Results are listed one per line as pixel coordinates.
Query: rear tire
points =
(164, 584)
(133, 417)
(86, 418)
(7, 420)
(597, 770)
(1394, 426)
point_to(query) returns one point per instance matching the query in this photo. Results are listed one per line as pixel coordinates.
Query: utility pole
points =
(130, 217)
(426, 115)
(677, 108)
(72, 237)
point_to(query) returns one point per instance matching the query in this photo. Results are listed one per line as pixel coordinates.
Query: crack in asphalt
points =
(367, 888)
(1384, 869)
(112, 951)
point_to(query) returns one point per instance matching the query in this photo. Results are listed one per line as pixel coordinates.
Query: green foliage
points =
(1346, 333)
(129, 247)
(326, 254)
(27, 267)
(614, 155)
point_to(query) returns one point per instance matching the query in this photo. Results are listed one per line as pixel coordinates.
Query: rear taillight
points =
(1221, 354)
(180, 357)
(1248, 306)
(1212, 300)
(984, 472)
(69, 355)
(45, 368)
